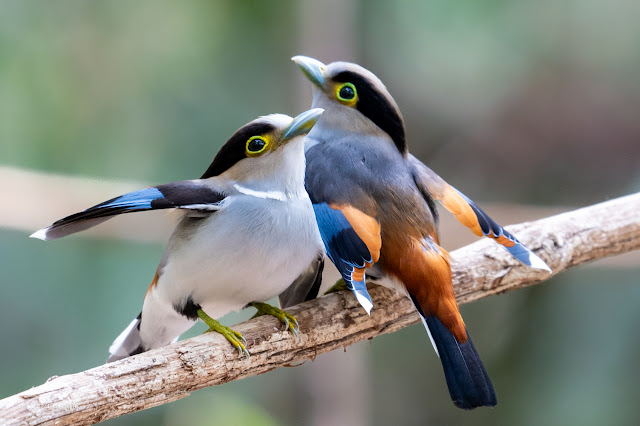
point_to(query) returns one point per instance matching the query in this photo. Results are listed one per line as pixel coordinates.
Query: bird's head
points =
(349, 92)
(268, 146)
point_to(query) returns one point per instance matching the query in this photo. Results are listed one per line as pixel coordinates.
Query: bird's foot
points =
(340, 285)
(231, 335)
(290, 322)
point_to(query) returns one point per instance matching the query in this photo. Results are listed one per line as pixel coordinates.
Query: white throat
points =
(280, 175)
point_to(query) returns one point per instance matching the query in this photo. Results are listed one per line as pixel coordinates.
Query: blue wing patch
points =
(345, 248)
(141, 199)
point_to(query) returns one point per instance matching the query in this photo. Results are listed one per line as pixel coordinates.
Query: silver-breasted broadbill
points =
(375, 207)
(246, 230)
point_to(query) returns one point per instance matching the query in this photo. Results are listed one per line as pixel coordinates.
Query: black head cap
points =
(234, 149)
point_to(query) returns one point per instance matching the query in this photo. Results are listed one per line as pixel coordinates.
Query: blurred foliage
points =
(533, 102)
(545, 93)
(141, 92)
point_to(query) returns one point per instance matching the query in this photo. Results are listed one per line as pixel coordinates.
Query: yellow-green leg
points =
(232, 336)
(290, 322)
(340, 285)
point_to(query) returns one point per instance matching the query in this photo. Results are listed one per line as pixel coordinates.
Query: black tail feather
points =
(192, 195)
(128, 343)
(468, 382)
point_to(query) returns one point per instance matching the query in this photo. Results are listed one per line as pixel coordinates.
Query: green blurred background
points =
(510, 100)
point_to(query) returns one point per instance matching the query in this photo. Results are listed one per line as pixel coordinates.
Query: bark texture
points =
(335, 321)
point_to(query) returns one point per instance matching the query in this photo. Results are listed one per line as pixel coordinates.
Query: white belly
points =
(251, 250)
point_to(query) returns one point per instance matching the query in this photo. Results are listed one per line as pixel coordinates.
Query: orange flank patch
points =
(505, 241)
(367, 228)
(425, 272)
(458, 206)
(154, 282)
(358, 273)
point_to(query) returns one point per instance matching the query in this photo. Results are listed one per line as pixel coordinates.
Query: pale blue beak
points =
(302, 124)
(312, 68)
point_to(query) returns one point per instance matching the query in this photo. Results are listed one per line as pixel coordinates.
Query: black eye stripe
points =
(235, 148)
(374, 105)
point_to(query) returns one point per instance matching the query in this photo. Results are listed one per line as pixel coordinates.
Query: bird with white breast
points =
(246, 230)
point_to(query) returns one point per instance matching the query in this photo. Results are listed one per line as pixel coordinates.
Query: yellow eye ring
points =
(256, 145)
(347, 94)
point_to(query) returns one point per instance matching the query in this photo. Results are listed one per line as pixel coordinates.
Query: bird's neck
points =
(283, 179)
(340, 121)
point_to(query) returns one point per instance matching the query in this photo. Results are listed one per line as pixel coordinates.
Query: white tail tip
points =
(41, 234)
(364, 302)
(538, 263)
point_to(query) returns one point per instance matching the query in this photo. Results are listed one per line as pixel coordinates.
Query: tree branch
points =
(170, 373)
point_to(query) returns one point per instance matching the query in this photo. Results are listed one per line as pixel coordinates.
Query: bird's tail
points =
(467, 380)
(128, 342)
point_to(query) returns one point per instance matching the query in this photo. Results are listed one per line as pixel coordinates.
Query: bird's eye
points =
(347, 92)
(256, 145)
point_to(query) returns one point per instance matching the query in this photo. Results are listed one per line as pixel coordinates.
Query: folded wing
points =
(470, 215)
(190, 194)
(306, 286)
(352, 241)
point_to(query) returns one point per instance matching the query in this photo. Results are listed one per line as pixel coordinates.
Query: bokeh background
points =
(514, 102)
